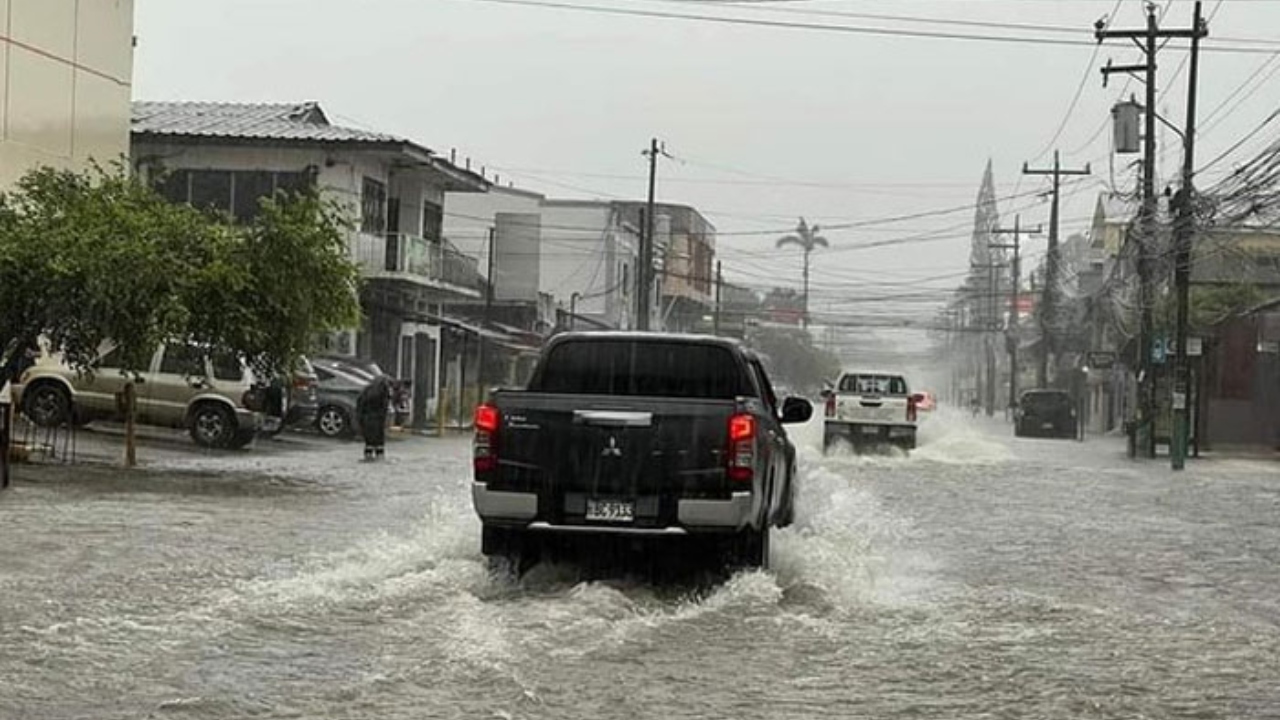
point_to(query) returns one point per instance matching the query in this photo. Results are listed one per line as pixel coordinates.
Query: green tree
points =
(1208, 305)
(87, 258)
(808, 240)
(266, 289)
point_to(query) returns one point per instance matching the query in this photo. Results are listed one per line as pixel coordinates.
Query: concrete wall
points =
(468, 217)
(586, 250)
(66, 69)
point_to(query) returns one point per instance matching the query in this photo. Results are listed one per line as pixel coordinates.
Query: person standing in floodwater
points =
(371, 407)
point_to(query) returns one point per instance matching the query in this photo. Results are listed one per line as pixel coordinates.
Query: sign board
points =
(1101, 360)
(1159, 350)
(1195, 347)
(1269, 347)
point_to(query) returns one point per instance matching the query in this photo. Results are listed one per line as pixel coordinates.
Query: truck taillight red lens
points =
(485, 452)
(912, 409)
(742, 427)
(831, 405)
(742, 447)
(487, 418)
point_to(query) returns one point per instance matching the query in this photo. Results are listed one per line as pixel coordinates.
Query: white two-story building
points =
(228, 155)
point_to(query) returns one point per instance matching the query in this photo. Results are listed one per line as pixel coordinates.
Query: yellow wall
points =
(66, 70)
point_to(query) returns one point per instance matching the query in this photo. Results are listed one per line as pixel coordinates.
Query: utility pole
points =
(644, 273)
(1048, 302)
(1016, 268)
(719, 285)
(1144, 428)
(488, 311)
(1184, 229)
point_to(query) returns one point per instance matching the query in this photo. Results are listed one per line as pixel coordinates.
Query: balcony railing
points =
(400, 254)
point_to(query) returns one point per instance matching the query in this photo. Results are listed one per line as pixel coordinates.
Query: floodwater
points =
(981, 577)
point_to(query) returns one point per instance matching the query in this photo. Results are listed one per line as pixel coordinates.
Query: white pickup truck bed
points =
(871, 408)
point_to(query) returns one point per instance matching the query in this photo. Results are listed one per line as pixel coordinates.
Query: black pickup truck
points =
(639, 435)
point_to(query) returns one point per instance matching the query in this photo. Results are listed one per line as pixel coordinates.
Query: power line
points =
(1261, 126)
(1075, 99)
(822, 27)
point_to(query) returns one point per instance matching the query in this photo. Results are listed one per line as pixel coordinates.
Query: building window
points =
(235, 192)
(211, 190)
(373, 207)
(247, 191)
(432, 221)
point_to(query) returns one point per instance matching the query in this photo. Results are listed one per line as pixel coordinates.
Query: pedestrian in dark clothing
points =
(372, 406)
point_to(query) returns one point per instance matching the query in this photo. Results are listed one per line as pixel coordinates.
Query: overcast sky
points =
(765, 123)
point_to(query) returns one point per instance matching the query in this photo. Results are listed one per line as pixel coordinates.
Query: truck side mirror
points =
(796, 410)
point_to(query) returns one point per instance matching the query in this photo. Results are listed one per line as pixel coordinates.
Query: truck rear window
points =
(865, 384)
(645, 368)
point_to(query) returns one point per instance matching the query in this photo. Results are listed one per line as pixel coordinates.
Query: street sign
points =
(1101, 359)
(1195, 347)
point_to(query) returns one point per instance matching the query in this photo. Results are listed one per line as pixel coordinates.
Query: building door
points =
(394, 250)
(424, 379)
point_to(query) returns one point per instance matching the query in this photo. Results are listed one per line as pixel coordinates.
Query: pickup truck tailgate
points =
(650, 451)
(879, 409)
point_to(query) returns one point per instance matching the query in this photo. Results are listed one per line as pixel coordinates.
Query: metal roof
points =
(279, 123)
(258, 121)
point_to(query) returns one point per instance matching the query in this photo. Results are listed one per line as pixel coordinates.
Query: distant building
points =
(66, 69)
(227, 156)
(684, 251)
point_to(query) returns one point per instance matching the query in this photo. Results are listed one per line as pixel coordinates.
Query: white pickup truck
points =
(871, 409)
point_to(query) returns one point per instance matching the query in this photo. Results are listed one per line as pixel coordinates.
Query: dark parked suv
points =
(1049, 413)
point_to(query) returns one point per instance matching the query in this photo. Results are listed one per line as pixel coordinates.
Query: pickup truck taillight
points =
(913, 408)
(742, 447)
(485, 447)
(831, 405)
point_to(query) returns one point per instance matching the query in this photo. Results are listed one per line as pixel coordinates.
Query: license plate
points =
(611, 510)
(870, 430)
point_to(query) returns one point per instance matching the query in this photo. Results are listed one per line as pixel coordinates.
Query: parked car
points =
(359, 366)
(637, 435)
(338, 387)
(303, 396)
(871, 409)
(216, 397)
(1045, 413)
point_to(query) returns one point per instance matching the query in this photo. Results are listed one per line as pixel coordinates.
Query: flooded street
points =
(980, 577)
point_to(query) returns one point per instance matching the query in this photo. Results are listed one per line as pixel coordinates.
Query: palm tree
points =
(807, 238)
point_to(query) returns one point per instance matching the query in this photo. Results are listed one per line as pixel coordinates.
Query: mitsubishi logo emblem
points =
(612, 450)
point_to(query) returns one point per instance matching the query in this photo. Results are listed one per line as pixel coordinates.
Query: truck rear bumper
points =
(869, 433)
(497, 505)
(694, 514)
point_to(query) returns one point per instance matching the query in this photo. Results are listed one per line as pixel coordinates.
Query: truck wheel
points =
(508, 550)
(752, 549)
(787, 515)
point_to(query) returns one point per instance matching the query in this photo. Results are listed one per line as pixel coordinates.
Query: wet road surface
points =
(982, 577)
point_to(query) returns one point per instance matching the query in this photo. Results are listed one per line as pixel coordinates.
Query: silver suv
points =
(215, 396)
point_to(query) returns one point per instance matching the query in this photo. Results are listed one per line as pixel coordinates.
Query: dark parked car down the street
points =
(1048, 413)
